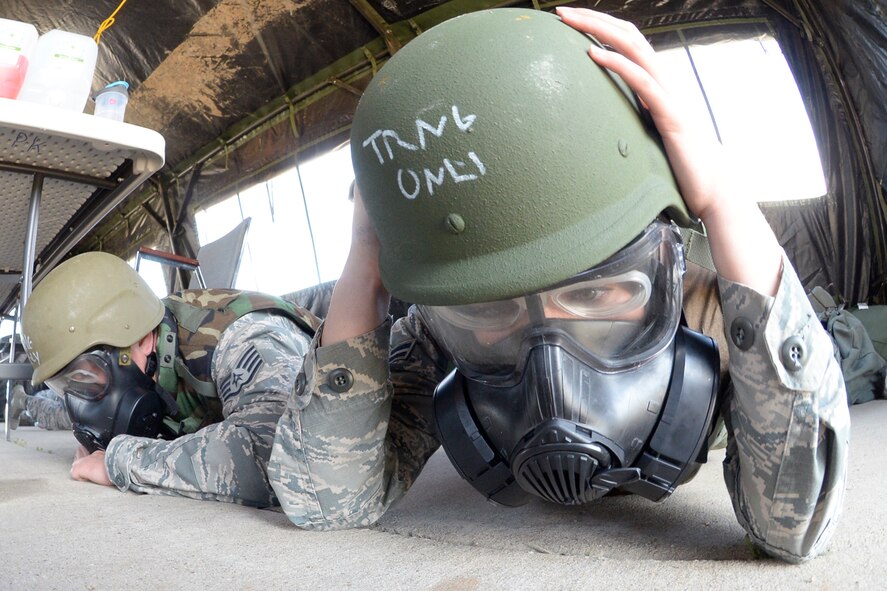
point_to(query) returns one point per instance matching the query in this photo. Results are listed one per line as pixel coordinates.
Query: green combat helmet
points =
(496, 158)
(92, 299)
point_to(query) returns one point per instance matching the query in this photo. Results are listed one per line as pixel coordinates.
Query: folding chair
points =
(216, 264)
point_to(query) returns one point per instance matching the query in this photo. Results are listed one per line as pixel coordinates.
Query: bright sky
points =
(280, 257)
(760, 115)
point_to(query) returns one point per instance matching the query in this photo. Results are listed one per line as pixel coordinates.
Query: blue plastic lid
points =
(119, 86)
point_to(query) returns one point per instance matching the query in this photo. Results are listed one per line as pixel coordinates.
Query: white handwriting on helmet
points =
(458, 170)
(33, 354)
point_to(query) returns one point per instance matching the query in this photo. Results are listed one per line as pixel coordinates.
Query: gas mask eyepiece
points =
(107, 395)
(614, 316)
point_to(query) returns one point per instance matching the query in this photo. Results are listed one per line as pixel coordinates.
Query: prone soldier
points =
(553, 281)
(179, 396)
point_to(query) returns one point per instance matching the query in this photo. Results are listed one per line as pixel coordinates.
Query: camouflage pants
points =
(254, 368)
(48, 411)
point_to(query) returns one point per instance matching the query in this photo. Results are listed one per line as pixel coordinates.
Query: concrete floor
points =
(60, 534)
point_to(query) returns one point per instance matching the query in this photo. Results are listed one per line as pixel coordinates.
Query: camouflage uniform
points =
(253, 368)
(48, 411)
(343, 459)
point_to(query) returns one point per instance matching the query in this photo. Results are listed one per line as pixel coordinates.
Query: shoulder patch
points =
(244, 371)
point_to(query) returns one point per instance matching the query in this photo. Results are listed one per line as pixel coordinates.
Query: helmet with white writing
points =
(496, 158)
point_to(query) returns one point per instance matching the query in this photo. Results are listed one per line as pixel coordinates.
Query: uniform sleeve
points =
(48, 411)
(351, 442)
(788, 420)
(254, 368)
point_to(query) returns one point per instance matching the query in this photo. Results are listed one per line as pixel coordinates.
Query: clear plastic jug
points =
(17, 41)
(60, 73)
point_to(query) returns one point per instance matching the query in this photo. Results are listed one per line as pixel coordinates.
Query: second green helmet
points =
(496, 158)
(91, 299)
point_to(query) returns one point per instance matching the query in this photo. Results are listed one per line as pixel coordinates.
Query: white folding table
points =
(68, 170)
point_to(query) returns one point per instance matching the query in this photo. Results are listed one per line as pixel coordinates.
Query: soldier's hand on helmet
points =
(634, 59)
(695, 159)
(363, 236)
(90, 467)
(360, 301)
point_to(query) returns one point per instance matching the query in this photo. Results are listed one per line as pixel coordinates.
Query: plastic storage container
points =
(110, 102)
(17, 41)
(60, 73)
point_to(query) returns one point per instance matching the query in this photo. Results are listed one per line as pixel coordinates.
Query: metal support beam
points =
(186, 201)
(163, 194)
(154, 215)
(31, 239)
(380, 24)
(346, 87)
(58, 174)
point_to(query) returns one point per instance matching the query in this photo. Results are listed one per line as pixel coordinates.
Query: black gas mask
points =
(588, 386)
(106, 395)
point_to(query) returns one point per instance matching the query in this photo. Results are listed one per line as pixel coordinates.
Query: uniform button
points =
(742, 332)
(340, 380)
(793, 353)
(299, 386)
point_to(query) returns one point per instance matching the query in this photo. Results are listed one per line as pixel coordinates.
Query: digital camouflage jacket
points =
(242, 353)
(352, 441)
(189, 335)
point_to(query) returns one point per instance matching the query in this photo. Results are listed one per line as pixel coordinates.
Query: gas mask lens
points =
(618, 297)
(616, 315)
(87, 376)
(487, 316)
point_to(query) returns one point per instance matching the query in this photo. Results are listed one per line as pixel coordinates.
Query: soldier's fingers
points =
(588, 15)
(647, 88)
(622, 36)
(77, 470)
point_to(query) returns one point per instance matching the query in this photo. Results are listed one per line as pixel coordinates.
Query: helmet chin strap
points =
(151, 365)
(169, 401)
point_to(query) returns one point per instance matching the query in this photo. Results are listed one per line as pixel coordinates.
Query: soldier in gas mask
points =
(178, 396)
(516, 191)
